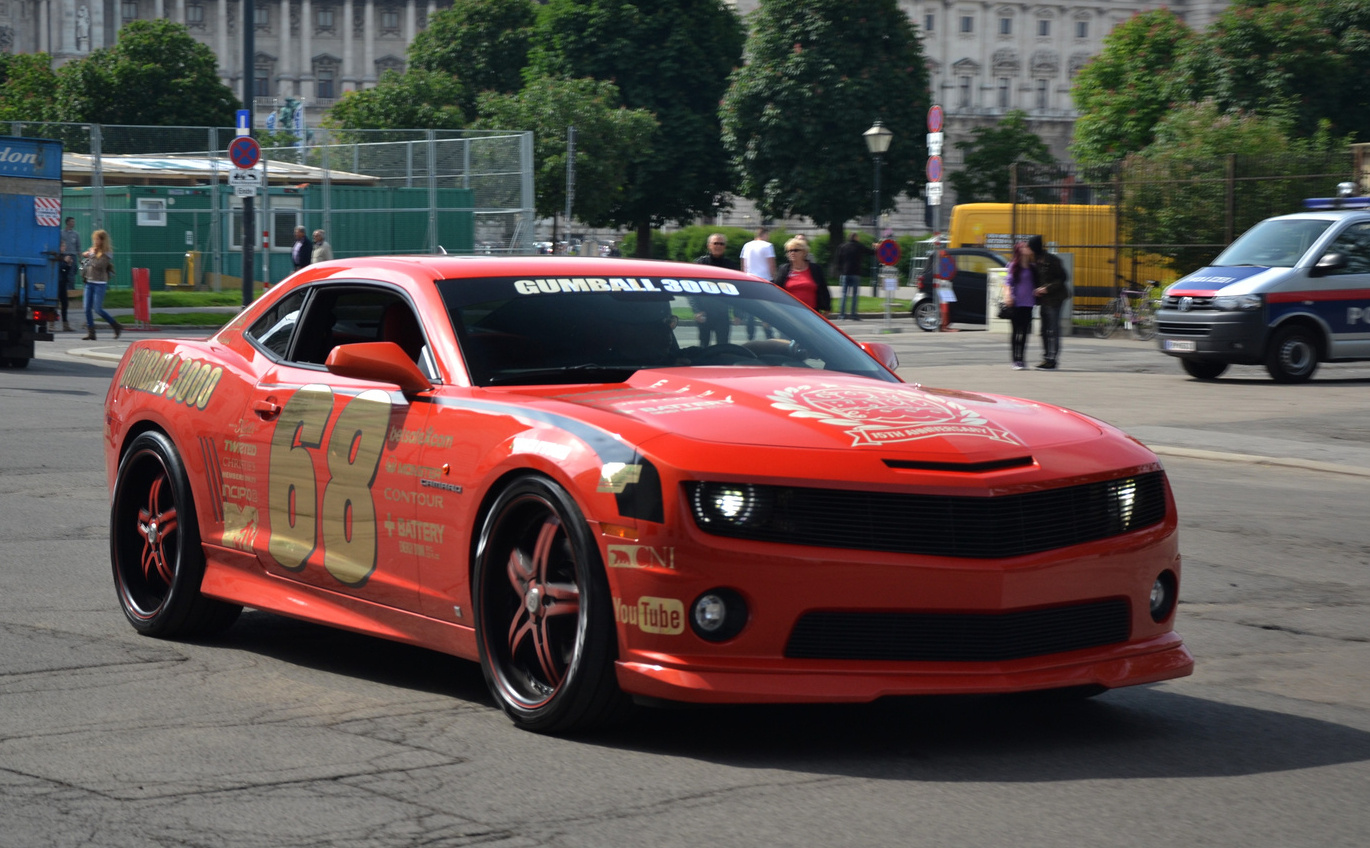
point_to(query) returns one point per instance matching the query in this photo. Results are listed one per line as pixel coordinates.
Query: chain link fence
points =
(164, 195)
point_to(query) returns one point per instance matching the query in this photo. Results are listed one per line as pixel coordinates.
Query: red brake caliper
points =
(154, 527)
(539, 601)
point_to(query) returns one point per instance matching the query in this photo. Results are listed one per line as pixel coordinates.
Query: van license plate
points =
(1179, 345)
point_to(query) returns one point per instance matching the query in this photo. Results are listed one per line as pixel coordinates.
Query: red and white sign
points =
(48, 211)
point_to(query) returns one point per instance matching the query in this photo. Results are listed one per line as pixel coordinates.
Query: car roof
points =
(447, 266)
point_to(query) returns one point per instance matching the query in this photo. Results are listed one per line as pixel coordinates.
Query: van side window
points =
(1355, 245)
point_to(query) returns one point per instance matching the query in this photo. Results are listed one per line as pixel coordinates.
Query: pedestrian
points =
(758, 259)
(299, 254)
(802, 278)
(1051, 293)
(98, 268)
(852, 256)
(69, 249)
(1021, 283)
(322, 250)
(711, 313)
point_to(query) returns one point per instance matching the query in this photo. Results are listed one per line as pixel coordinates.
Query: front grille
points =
(936, 525)
(1196, 303)
(939, 637)
(1174, 328)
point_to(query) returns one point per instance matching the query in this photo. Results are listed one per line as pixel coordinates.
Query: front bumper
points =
(1236, 337)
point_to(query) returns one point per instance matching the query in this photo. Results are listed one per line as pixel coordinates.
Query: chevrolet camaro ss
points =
(610, 480)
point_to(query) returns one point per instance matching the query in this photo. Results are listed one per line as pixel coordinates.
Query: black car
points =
(973, 265)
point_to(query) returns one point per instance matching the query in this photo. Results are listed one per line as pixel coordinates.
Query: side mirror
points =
(882, 353)
(382, 362)
(1328, 263)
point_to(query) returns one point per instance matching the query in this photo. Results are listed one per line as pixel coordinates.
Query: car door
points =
(340, 495)
(1341, 296)
(972, 276)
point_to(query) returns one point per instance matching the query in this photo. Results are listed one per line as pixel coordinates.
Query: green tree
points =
(156, 74)
(484, 43)
(671, 58)
(1129, 86)
(988, 154)
(412, 100)
(607, 137)
(820, 72)
(27, 84)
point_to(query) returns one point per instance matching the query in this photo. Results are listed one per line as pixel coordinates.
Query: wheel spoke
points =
(561, 599)
(550, 663)
(542, 550)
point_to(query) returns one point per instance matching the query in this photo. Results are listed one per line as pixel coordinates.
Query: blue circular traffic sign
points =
(888, 252)
(934, 169)
(244, 151)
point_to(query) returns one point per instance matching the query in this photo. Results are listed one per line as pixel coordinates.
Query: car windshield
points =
(1277, 243)
(526, 331)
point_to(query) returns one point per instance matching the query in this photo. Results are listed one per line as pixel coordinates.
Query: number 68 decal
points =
(346, 521)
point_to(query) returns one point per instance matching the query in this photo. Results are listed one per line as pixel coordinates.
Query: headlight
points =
(736, 504)
(1237, 302)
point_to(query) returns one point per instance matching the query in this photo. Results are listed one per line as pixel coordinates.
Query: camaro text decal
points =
(879, 416)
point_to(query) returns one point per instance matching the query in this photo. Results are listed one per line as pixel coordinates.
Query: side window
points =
(339, 315)
(1355, 245)
(975, 264)
(275, 328)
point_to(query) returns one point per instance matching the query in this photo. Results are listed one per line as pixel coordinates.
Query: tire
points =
(1203, 369)
(158, 568)
(1292, 356)
(1144, 323)
(927, 315)
(544, 618)
(19, 362)
(1109, 320)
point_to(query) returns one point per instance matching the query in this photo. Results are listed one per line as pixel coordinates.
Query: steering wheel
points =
(714, 352)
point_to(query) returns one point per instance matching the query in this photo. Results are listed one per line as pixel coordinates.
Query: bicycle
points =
(1121, 311)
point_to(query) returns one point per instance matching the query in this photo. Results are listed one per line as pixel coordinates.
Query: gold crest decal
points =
(879, 416)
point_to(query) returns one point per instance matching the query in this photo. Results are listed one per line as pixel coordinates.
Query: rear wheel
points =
(1144, 321)
(1292, 356)
(1109, 320)
(927, 315)
(1203, 369)
(544, 621)
(154, 542)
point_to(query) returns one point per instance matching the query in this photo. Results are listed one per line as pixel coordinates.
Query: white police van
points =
(1293, 291)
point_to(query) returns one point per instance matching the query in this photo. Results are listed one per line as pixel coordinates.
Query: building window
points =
(323, 18)
(151, 212)
(1004, 91)
(129, 10)
(929, 21)
(261, 82)
(1043, 28)
(1082, 29)
(323, 83)
(390, 20)
(261, 17)
(195, 15)
(963, 92)
(967, 24)
(1042, 100)
(1006, 26)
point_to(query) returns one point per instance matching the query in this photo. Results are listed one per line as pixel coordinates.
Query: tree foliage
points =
(671, 58)
(607, 137)
(411, 100)
(820, 72)
(26, 86)
(988, 155)
(484, 43)
(156, 74)
(1128, 87)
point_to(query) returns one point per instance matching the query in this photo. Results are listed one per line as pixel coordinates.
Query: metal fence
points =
(163, 194)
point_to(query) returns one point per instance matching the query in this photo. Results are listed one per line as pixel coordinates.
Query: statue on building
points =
(83, 29)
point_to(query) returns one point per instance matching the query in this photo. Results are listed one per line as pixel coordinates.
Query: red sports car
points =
(593, 478)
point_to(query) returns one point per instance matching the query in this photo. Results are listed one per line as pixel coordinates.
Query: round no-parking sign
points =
(244, 151)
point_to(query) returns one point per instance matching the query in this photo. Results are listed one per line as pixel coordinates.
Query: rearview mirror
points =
(383, 362)
(882, 353)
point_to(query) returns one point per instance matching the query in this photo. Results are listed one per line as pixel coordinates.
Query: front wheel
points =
(154, 542)
(544, 621)
(1203, 369)
(1144, 322)
(1292, 356)
(927, 315)
(1109, 320)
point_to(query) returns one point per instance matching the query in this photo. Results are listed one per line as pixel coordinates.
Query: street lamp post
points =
(878, 139)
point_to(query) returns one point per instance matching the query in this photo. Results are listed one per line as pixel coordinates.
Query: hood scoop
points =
(961, 467)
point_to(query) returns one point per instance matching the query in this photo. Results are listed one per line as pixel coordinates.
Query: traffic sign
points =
(935, 144)
(935, 119)
(887, 252)
(245, 177)
(243, 122)
(244, 151)
(933, 193)
(934, 169)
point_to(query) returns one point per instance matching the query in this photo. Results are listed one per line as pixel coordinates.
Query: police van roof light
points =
(1319, 203)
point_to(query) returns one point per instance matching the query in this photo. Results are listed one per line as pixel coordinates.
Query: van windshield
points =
(1277, 243)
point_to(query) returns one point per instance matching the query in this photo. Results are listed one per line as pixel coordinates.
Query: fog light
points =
(718, 615)
(1163, 595)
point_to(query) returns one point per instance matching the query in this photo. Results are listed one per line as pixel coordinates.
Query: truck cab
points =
(1290, 293)
(30, 223)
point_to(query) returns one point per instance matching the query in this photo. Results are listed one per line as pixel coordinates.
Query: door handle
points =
(266, 409)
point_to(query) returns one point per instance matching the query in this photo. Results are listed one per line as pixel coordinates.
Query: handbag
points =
(1005, 311)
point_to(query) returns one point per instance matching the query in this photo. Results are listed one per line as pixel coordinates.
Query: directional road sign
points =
(244, 151)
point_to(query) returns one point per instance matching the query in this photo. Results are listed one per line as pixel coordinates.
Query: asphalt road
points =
(287, 734)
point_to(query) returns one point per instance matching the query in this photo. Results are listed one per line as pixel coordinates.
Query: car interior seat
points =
(399, 325)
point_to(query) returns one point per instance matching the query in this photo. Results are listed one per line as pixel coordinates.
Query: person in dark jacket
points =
(802, 278)
(852, 256)
(1051, 292)
(302, 250)
(711, 313)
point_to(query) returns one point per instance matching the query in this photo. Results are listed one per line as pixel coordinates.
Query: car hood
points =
(801, 409)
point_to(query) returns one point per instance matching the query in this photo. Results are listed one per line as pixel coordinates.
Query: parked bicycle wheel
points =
(1144, 320)
(1109, 319)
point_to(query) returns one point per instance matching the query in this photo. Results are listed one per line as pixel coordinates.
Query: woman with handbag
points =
(97, 268)
(1021, 285)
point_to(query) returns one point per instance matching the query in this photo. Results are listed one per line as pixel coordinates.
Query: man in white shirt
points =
(758, 256)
